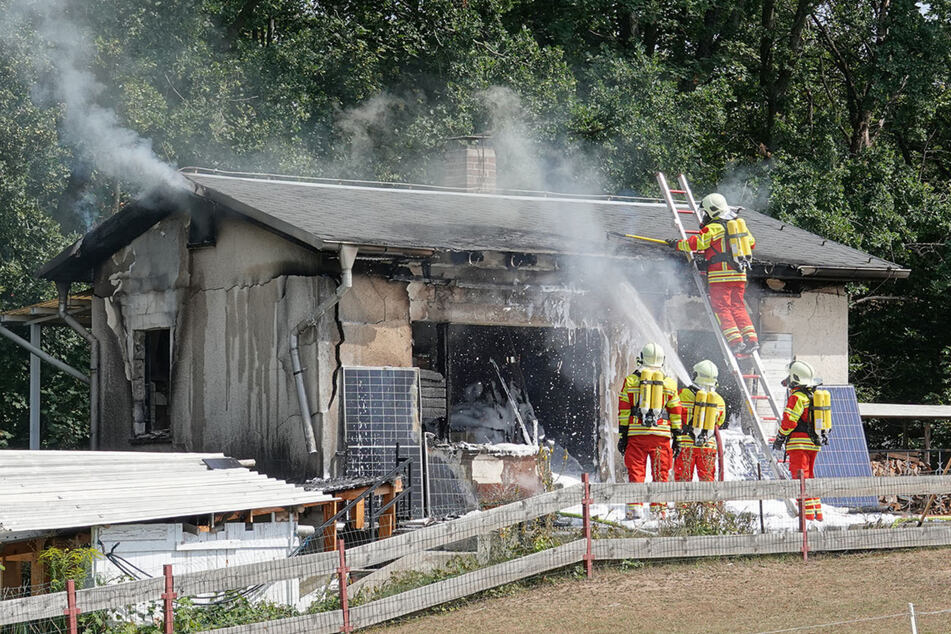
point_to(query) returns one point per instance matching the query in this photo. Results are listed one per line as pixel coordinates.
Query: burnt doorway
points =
(552, 373)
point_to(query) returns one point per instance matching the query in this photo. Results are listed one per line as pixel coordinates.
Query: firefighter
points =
(796, 429)
(698, 450)
(648, 409)
(728, 256)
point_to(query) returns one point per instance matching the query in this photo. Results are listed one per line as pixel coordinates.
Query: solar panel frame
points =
(846, 455)
(381, 410)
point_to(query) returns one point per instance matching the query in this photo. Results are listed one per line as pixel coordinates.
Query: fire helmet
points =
(715, 206)
(652, 355)
(802, 374)
(705, 374)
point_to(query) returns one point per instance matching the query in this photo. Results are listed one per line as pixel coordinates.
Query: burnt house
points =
(228, 314)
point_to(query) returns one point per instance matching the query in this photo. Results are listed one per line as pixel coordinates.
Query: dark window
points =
(151, 384)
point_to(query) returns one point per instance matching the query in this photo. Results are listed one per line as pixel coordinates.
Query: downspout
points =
(348, 254)
(63, 288)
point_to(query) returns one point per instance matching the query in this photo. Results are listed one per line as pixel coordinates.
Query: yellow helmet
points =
(705, 373)
(715, 205)
(652, 355)
(801, 373)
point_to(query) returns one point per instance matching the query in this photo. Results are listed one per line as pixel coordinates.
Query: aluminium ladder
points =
(758, 376)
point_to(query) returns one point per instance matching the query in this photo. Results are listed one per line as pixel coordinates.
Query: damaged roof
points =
(316, 213)
(55, 490)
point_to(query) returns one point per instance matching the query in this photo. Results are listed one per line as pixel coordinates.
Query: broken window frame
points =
(149, 364)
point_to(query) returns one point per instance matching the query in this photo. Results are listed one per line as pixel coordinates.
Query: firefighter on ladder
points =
(698, 443)
(648, 411)
(725, 252)
(796, 431)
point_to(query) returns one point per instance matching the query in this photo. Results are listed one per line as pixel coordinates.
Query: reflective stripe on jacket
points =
(797, 408)
(710, 241)
(629, 417)
(687, 397)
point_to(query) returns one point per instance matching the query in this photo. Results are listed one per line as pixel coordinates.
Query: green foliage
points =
(63, 564)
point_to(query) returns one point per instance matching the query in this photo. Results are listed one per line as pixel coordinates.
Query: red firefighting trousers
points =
(805, 461)
(727, 301)
(703, 460)
(639, 449)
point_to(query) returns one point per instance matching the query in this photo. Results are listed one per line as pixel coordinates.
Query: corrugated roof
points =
(79, 306)
(48, 490)
(412, 218)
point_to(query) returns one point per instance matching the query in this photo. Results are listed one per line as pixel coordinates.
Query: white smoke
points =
(364, 125)
(61, 53)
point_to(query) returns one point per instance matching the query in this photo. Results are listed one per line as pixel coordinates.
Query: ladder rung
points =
(750, 376)
(768, 418)
(678, 191)
(684, 211)
(758, 397)
(693, 232)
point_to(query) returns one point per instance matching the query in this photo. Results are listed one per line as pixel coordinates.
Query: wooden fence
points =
(325, 564)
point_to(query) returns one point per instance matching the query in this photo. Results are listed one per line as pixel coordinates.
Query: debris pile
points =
(901, 464)
(898, 464)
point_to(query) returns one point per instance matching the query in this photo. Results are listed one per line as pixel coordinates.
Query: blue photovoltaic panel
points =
(846, 455)
(381, 411)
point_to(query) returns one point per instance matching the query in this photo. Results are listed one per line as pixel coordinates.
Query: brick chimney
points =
(470, 164)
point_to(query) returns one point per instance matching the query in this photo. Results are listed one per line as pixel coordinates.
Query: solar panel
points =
(381, 412)
(846, 455)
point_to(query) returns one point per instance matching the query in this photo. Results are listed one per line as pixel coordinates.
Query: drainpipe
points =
(63, 288)
(348, 254)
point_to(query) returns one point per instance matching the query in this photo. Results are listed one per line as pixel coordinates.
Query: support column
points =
(35, 341)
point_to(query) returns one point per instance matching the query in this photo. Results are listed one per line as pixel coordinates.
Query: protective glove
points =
(672, 242)
(622, 444)
(779, 442)
(725, 424)
(675, 446)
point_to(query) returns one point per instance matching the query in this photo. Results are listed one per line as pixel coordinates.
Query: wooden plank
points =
(902, 410)
(321, 623)
(463, 528)
(466, 584)
(766, 489)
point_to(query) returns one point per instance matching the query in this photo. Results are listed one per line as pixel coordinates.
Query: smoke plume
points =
(61, 52)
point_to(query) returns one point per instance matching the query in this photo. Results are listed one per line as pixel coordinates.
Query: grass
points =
(748, 594)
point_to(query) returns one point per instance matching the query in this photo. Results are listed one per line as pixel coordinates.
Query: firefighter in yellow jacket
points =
(797, 429)
(648, 410)
(727, 245)
(698, 443)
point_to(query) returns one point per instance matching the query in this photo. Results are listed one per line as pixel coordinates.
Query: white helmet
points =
(652, 355)
(716, 207)
(801, 373)
(705, 374)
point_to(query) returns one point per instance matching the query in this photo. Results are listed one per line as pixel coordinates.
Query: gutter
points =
(837, 272)
(348, 254)
(63, 288)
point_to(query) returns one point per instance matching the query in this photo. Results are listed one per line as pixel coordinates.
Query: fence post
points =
(342, 583)
(71, 610)
(586, 516)
(169, 596)
(762, 520)
(802, 515)
(914, 620)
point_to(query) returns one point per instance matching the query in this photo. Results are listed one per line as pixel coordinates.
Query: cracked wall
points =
(818, 321)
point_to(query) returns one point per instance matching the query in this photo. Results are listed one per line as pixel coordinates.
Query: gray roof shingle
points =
(456, 221)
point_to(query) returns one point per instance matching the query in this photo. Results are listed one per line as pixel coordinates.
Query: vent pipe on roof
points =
(348, 254)
(63, 289)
